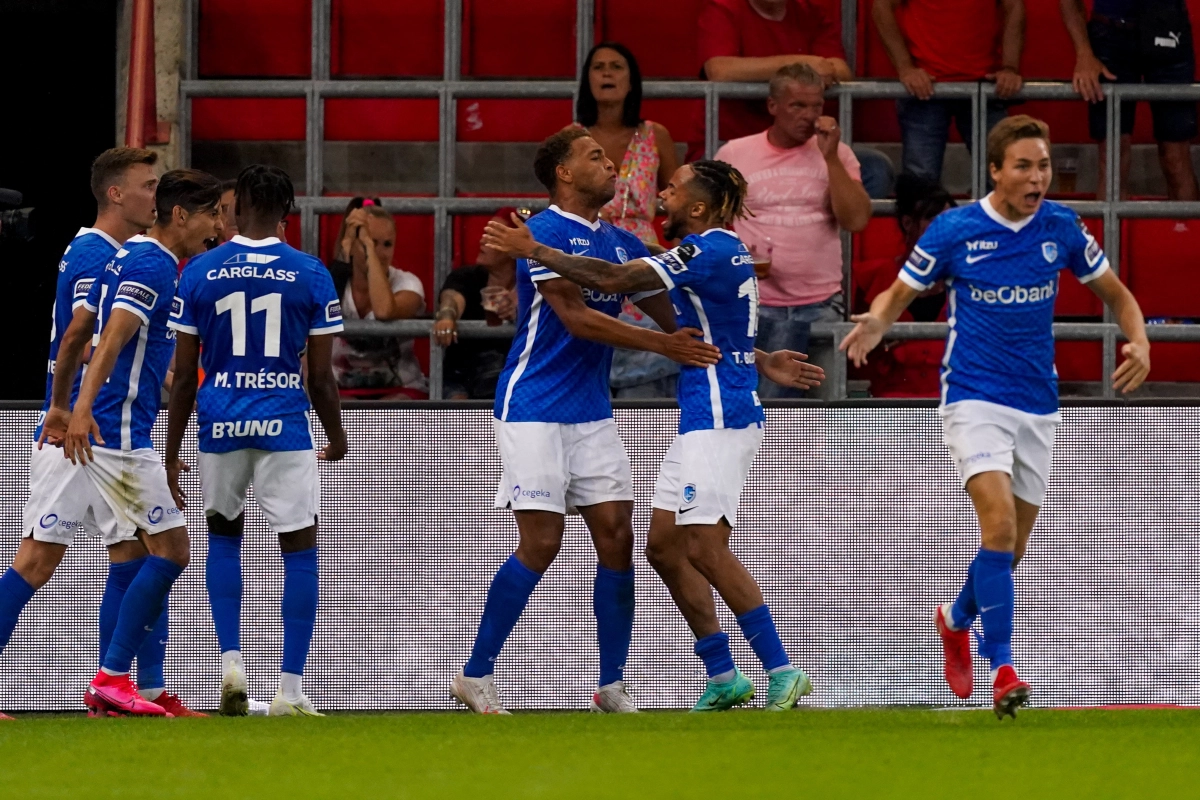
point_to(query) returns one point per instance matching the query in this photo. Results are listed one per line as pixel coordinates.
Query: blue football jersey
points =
(1001, 279)
(139, 279)
(713, 288)
(83, 261)
(550, 376)
(254, 304)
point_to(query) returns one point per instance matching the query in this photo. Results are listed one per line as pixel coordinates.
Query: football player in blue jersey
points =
(62, 501)
(258, 307)
(116, 408)
(554, 425)
(711, 280)
(1000, 260)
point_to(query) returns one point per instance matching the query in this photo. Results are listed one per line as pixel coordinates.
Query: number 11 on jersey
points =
(235, 305)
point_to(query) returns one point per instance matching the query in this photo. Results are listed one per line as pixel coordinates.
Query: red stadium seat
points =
(1075, 299)
(494, 120)
(381, 119)
(248, 118)
(260, 39)
(386, 38)
(661, 34)
(527, 39)
(1163, 266)
(1174, 362)
(1079, 361)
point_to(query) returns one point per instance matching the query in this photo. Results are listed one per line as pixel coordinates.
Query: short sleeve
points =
(80, 291)
(1085, 258)
(144, 287)
(327, 308)
(92, 300)
(929, 261)
(717, 33)
(849, 161)
(181, 317)
(684, 265)
(402, 281)
(551, 237)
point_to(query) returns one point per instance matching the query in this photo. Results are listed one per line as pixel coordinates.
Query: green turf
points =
(808, 753)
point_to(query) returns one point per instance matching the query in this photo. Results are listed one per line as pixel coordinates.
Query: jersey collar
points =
(593, 225)
(143, 238)
(722, 230)
(242, 240)
(997, 217)
(101, 234)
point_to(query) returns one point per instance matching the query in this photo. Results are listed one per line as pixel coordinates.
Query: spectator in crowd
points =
(905, 368)
(371, 288)
(948, 40)
(228, 201)
(804, 185)
(749, 40)
(484, 291)
(1135, 41)
(609, 108)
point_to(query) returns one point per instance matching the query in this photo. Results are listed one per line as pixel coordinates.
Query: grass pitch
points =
(810, 753)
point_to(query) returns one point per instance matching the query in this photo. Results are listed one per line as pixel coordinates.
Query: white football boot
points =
(477, 694)
(235, 698)
(284, 707)
(613, 699)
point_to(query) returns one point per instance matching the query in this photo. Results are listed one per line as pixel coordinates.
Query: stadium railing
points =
(446, 205)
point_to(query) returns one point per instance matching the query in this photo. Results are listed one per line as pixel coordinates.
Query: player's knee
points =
(172, 545)
(701, 552)
(295, 541)
(538, 552)
(36, 561)
(663, 556)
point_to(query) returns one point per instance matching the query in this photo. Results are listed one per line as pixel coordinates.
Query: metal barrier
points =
(446, 205)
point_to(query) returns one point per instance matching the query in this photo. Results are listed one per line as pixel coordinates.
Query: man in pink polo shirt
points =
(804, 186)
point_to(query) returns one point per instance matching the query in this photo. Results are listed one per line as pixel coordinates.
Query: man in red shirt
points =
(749, 40)
(948, 40)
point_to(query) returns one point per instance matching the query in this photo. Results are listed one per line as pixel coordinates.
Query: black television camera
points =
(15, 222)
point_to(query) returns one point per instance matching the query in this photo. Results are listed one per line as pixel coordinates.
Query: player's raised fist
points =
(515, 242)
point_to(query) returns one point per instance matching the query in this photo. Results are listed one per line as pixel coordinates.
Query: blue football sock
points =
(141, 608)
(994, 594)
(223, 579)
(506, 599)
(119, 577)
(15, 593)
(299, 608)
(759, 630)
(964, 609)
(612, 602)
(713, 650)
(153, 653)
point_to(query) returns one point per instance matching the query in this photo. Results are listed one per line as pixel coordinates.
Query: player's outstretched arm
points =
(585, 322)
(122, 326)
(885, 310)
(1128, 314)
(788, 368)
(323, 392)
(179, 407)
(70, 355)
(593, 273)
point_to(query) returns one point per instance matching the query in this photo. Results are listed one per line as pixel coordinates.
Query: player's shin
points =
(964, 609)
(714, 651)
(994, 595)
(299, 608)
(140, 609)
(759, 630)
(613, 602)
(15, 593)
(152, 655)
(510, 590)
(120, 575)
(223, 579)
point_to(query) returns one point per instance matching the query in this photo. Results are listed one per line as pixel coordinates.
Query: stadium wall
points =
(852, 521)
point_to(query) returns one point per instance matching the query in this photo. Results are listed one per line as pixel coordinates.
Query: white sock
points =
(150, 694)
(947, 617)
(724, 677)
(108, 671)
(777, 670)
(291, 686)
(231, 659)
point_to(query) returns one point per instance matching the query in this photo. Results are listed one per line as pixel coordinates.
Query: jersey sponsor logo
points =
(593, 296)
(689, 493)
(250, 258)
(1014, 295)
(155, 516)
(83, 286)
(287, 275)
(48, 520)
(920, 263)
(529, 494)
(177, 307)
(676, 260)
(973, 259)
(137, 293)
(247, 427)
(577, 242)
(333, 311)
(982, 244)
(742, 260)
(121, 253)
(622, 256)
(1050, 252)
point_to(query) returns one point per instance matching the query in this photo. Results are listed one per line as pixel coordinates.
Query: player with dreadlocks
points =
(258, 306)
(710, 276)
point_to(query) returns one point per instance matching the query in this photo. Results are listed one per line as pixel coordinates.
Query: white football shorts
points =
(551, 466)
(63, 501)
(286, 485)
(988, 437)
(703, 473)
(134, 485)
